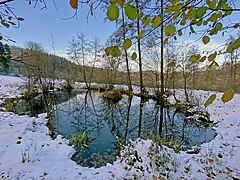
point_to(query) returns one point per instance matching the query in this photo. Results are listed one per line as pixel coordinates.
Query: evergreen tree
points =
(5, 56)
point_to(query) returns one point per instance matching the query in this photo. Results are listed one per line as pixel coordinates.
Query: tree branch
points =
(6, 1)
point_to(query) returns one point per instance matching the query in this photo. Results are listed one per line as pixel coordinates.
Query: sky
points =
(39, 24)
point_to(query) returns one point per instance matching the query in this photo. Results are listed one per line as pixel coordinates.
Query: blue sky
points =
(39, 24)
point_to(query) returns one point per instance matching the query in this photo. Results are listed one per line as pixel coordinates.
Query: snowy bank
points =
(28, 152)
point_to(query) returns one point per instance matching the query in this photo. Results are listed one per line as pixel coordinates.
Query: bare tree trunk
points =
(126, 55)
(139, 52)
(162, 75)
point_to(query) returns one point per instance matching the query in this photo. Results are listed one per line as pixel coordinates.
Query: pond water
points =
(109, 124)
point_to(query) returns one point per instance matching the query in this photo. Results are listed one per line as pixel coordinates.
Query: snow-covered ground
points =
(28, 152)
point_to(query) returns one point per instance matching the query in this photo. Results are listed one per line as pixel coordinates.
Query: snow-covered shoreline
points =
(28, 152)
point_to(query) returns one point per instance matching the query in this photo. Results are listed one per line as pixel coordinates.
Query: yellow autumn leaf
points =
(212, 56)
(227, 95)
(74, 4)
(165, 41)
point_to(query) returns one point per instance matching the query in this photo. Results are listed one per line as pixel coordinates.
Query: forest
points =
(157, 99)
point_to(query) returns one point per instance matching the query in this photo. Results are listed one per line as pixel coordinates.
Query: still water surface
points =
(129, 118)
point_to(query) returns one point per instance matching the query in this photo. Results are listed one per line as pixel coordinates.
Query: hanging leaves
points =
(202, 59)
(165, 41)
(112, 12)
(127, 44)
(205, 39)
(156, 21)
(139, 36)
(114, 51)
(172, 64)
(74, 4)
(20, 19)
(131, 11)
(212, 56)
(234, 45)
(134, 56)
(146, 20)
(194, 58)
(180, 32)
(227, 95)
(200, 12)
(170, 30)
(210, 100)
(189, 12)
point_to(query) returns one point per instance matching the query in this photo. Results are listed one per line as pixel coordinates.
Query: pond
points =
(106, 125)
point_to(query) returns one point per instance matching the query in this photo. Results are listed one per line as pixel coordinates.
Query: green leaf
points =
(213, 17)
(156, 21)
(139, 36)
(170, 30)
(227, 95)
(194, 58)
(218, 26)
(202, 59)
(212, 56)
(140, 15)
(211, 3)
(234, 45)
(221, 3)
(170, 9)
(210, 100)
(127, 44)
(20, 19)
(200, 12)
(108, 51)
(130, 11)
(146, 20)
(134, 56)
(112, 12)
(205, 22)
(116, 51)
(205, 39)
(180, 32)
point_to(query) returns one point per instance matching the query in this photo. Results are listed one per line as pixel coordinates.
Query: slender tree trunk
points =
(162, 75)
(139, 52)
(126, 55)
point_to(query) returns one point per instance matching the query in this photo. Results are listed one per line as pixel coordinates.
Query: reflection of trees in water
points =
(140, 116)
(114, 115)
(90, 113)
(127, 118)
(80, 112)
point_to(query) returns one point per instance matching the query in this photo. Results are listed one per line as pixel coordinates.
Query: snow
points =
(11, 86)
(28, 152)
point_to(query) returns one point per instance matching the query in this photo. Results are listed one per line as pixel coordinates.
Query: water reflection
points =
(129, 118)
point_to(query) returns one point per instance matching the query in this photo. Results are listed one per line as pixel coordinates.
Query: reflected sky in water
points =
(128, 119)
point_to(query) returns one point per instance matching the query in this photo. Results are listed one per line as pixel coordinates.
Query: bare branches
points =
(5, 2)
